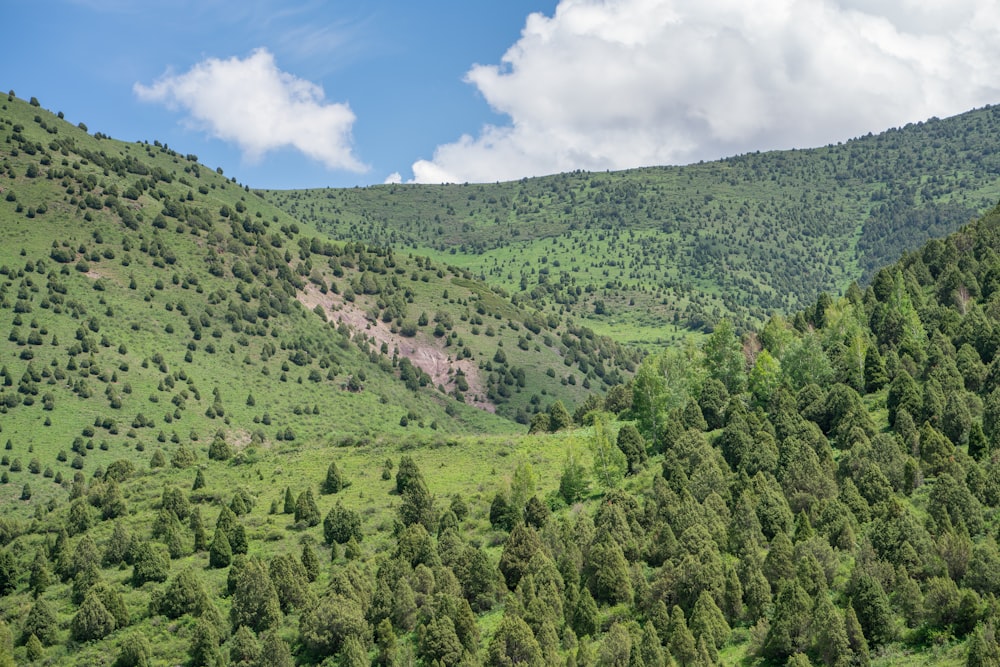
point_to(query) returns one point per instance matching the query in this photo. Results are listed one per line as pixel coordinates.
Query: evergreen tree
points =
(521, 545)
(983, 648)
(310, 561)
(39, 577)
(513, 644)
(306, 511)
(274, 652)
(92, 620)
(651, 648)
(829, 635)
(255, 600)
(198, 530)
(134, 651)
(220, 553)
(41, 622)
(149, 563)
(290, 582)
(341, 524)
(856, 637)
(788, 633)
(385, 641)
(559, 417)
(440, 643)
(873, 611)
(708, 621)
(204, 648)
(632, 445)
(616, 649)
(681, 642)
(289, 507)
(244, 649)
(334, 482)
(585, 614)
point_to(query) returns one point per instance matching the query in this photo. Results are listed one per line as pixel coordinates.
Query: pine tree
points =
(385, 640)
(289, 507)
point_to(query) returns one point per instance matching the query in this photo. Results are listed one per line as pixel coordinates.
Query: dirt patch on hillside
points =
(427, 354)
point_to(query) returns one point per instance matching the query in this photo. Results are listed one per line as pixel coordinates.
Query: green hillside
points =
(232, 440)
(646, 255)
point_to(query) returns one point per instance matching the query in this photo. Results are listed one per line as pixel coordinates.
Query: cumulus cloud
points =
(255, 105)
(393, 179)
(612, 84)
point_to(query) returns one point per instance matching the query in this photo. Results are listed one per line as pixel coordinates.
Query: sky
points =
(314, 93)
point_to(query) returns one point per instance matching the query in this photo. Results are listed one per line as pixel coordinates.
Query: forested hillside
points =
(231, 440)
(650, 254)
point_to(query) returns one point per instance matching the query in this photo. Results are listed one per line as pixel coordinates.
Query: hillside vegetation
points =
(649, 254)
(231, 440)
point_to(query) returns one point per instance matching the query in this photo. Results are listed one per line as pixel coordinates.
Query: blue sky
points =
(314, 94)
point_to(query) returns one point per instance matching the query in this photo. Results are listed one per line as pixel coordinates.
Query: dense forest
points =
(220, 450)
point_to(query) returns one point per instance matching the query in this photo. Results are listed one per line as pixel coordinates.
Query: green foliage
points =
(610, 463)
(334, 482)
(134, 651)
(92, 620)
(513, 644)
(255, 600)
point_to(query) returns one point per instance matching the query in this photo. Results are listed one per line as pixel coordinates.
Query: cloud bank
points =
(612, 84)
(251, 103)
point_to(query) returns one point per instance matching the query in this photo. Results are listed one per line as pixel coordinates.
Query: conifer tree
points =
(204, 648)
(680, 642)
(244, 649)
(310, 561)
(220, 553)
(134, 651)
(707, 620)
(41, 622)
(92, 620)
(513, 644)
(255, 600)
(274, 652)
(306, 511)
(334, 481)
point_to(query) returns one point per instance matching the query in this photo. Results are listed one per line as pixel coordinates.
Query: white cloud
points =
(253, 104)
(612, 84)
(393, 178)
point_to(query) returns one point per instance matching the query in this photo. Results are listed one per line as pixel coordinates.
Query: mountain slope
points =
(140, 287)
(648, 254)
